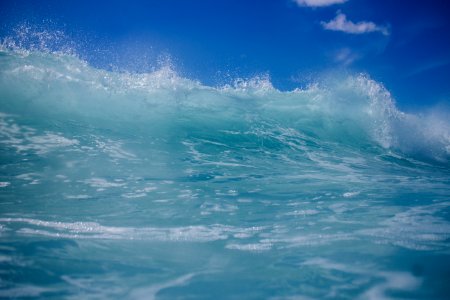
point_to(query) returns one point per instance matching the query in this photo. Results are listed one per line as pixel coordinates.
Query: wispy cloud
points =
(340, 23)
(319, 3)
(346, 56)
(429, 66)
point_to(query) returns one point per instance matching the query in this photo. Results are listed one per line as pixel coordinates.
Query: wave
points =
(350, 110)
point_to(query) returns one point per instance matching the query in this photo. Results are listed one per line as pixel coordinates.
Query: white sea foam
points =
(254, 247)
(350, 194)
(102, 183)
(92, 230)
(152, 291)
(303, 212)
(79, 197)
(23, 291)
(25, 139)
(134, 195)
(314, 239)
(416, 228)
(391, 280)
(114, 149)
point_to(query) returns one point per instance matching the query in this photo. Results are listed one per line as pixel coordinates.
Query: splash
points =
(353, 109)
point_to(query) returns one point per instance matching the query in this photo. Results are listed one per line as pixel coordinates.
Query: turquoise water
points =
(154, 186)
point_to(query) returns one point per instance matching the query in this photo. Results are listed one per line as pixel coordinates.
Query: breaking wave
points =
(354, 110)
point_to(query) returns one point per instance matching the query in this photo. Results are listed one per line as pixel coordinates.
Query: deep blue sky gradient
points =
(218, 40)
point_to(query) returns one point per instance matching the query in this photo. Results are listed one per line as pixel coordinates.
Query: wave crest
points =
(354, 110)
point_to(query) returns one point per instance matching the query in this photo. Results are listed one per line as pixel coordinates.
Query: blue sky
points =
(403, 44)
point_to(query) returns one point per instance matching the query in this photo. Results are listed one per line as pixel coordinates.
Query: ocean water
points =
(116, 185)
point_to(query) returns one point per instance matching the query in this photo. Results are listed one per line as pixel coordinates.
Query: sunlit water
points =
(152, 186)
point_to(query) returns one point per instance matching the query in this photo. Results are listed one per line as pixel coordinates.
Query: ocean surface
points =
(118, 185)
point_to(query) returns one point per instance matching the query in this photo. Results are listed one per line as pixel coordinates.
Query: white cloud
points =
(340, 23)
(319, 3)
